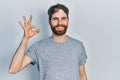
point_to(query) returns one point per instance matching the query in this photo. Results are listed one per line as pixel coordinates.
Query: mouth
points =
(59, 28)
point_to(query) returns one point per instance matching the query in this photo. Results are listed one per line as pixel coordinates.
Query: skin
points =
(20, 60)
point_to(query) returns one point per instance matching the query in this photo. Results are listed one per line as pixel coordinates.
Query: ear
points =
(68, 20)
(49, 21)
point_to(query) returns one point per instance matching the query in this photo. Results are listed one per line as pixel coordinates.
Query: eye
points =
(64, 18)
(55, 18)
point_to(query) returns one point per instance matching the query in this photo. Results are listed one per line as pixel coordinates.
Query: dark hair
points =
(55, 8)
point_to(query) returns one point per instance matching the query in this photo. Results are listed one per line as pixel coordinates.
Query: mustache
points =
(60, 25)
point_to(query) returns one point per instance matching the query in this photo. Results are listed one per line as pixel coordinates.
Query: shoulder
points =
(40, 43)
(75, 41)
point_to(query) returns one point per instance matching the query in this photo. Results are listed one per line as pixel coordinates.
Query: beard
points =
(59, 32)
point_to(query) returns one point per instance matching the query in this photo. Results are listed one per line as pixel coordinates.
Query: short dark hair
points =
(55, 8)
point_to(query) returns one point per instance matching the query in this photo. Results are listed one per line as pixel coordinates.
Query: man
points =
(58, 57)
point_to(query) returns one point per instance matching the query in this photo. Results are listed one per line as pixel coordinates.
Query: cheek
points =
(66, 23)
(54, 23)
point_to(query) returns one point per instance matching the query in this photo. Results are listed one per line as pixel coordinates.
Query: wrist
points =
(26, 39)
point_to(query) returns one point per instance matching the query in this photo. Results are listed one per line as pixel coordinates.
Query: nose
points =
(59, 21)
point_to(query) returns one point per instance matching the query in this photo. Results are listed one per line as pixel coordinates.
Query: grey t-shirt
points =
(58, 61)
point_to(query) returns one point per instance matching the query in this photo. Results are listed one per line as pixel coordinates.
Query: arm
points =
(20, 60)
(83, 75)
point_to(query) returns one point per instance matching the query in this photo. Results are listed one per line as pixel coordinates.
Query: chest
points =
(60, 56)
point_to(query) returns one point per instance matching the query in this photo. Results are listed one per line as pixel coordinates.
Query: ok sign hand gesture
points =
(29, 29)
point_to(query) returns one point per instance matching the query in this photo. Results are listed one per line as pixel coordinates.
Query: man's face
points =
(59, 22)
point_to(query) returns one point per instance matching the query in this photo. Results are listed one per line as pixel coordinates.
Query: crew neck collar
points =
(59, 42)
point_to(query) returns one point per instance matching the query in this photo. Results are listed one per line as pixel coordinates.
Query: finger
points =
(25, 20)
(36, 28)
(30, 20)
(36, 31)
(21, 24)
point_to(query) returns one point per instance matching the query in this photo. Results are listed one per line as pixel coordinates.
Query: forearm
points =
(19, 56)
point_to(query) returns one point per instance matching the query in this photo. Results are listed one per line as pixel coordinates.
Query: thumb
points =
(36, 31)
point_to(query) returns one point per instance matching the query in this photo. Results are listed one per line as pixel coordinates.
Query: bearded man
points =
(58, 57)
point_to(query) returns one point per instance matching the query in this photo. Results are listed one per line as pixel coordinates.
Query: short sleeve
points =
(31, 53)
(83, 56)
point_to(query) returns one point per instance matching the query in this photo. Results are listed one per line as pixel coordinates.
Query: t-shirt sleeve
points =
(83, 56)
(31, 53)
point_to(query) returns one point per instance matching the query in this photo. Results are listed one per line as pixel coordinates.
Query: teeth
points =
(59, 27)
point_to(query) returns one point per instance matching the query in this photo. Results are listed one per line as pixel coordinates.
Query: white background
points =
(95, 22)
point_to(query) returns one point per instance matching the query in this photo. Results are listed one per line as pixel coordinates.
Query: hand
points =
(29, 29)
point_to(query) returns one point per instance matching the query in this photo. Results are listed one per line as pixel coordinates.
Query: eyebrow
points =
(61, 17)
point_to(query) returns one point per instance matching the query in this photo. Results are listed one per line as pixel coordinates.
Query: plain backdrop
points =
(94, 22)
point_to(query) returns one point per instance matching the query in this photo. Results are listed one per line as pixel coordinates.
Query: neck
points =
(62, 38)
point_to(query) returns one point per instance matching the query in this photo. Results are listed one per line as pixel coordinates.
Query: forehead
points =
(59, 13)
